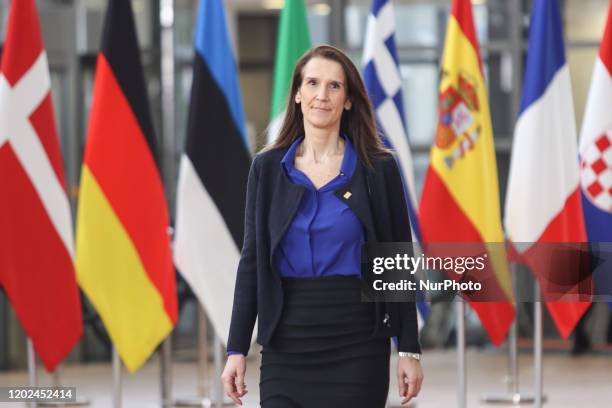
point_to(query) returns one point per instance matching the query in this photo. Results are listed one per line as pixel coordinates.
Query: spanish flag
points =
(460, 199)
(123, 258)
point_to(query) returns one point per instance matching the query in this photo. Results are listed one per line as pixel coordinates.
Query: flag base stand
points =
(461, 360)
(33, 378)
(509, 398)
(195, 402)
(513, 396)
(411, 404)
(201, 402)
(77, 403)
(116, 379)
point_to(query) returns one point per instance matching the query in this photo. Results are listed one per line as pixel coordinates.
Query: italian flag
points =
(293, 42)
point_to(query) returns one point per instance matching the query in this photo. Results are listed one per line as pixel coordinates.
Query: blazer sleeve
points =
(244, 311)
(408, 339)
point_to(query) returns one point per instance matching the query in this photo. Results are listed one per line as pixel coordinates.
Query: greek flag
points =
(384, 84)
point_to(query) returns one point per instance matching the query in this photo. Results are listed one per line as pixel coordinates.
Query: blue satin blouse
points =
(325, 236)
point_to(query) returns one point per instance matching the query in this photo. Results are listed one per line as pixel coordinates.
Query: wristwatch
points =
(415, 356)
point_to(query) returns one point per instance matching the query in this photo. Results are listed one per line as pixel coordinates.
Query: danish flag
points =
(36, 239)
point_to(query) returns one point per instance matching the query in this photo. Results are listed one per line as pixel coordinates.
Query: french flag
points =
(543, 201)
(596, 161)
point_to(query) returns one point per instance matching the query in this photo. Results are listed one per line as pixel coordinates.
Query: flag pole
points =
(218, 395)
(203, 373)
(513, 383)
(218, 391)
(537, 348)
(33, 379)
(32, 375)
(461, 367)
(57, 382)
(166, 22)
(116, 379)
(513, 395)
(165, 362)
(203, 398)
(166, 17)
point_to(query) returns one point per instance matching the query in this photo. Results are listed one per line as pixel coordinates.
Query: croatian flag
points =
(543, 201)
(384, 85)
(596, 160)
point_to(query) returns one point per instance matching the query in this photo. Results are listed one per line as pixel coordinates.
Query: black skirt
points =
(323, 353)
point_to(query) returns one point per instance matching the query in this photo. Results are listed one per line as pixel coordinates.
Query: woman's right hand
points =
(233, 377)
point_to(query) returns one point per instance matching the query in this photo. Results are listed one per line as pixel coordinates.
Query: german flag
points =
(123, 257)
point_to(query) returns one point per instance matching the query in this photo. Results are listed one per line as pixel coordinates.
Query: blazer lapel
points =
(355, 195)
(285, 203)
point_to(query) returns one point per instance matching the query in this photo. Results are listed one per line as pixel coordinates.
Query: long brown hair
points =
(358, 122)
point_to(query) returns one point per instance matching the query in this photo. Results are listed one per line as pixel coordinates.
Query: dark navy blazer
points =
(376, 197)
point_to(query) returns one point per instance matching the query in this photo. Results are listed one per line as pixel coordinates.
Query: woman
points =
(322, 189)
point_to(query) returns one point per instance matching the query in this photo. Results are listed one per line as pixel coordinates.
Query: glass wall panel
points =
(420, 91)
(421, 161)
(58, 96)
(423, 23)
(318, 23)
(184, 22)
(498, 68)
(182, 93)
(584, 20)
(581, 62)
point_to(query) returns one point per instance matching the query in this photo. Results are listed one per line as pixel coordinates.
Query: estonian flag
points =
(213, 172)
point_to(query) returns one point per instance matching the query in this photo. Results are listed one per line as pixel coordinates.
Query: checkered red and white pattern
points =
(596, 172)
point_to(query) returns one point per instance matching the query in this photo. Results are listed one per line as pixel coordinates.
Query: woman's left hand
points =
(409, 378)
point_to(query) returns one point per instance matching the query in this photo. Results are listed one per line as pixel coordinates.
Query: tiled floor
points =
(584, 382)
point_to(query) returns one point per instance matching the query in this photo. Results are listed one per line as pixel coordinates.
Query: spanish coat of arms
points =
(457, 128)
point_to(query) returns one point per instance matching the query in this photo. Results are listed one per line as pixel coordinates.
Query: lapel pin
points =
(347, 195)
